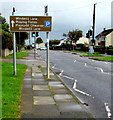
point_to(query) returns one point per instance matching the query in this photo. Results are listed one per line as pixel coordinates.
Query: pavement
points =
(47, 98)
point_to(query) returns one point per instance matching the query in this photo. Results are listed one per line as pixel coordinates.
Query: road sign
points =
(30, 23)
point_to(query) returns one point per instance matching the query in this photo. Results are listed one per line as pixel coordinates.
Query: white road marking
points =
(85, 64)
(101, 70)
(108, 110)
(82, 92)
(75, 88)
(75, 84)
(67, 77)
(61, 72)
(75, 60)
(54, 66)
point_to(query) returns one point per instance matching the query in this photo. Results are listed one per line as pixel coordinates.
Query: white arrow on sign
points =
(12, 22)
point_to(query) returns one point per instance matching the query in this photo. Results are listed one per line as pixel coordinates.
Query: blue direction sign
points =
(47, 23)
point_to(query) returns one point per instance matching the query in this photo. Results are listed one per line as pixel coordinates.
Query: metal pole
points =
(14, 49)
(14, 53)
(47, 38)
(35, 46)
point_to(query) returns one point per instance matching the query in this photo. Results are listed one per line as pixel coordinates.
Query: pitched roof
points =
(104, 33)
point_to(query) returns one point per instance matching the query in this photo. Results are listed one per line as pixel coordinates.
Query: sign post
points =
(47, 24)
(14, 46)
(14, 53)
(30, 23)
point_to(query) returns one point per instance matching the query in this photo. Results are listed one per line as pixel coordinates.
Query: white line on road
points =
(108, 110)
(67, 77)
(75, 88)
(75, 60)
(61, 72)
(101, 70)
(75, 84)
(54, 66)
(82, 92)
(85, 64)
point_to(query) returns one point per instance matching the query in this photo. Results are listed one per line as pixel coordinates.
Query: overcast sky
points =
(66, 15)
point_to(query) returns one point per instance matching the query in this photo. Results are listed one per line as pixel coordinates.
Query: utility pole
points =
(93, 36)
(14, 48)
(47, 38)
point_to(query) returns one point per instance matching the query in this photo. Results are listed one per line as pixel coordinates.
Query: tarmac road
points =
(88, 79)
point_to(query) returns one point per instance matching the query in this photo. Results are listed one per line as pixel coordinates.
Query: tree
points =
(39, 40)
(54, 42)
(73, 35)
(20, 39)
(6, 34)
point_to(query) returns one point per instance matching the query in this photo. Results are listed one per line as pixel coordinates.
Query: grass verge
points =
(78, 51)
(88, 55)
(103, 58)
(19, 55)
(11, 89)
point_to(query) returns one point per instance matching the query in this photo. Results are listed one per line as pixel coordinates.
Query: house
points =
(64, 40)
(83, 40)
(38, 45)
(105, 38)
(41, 45)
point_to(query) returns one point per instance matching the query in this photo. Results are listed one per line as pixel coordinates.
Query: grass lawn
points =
(78, 51)
(88, 55)
(19, 55)
(11, 89)
(103, 58)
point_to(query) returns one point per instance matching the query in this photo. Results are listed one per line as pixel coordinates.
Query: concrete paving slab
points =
(39, 82)
(27, 78)
(27, 86)
(26, 108)
(38, 79)
(27, 115)
(28, 70)
(51, 74)
(28, 82)
(57, 86)
(74, 115)
(26, 99)
(43, 100)
(53, 79)
(63, 97)
(70, 107)
(36, 74)
(41, 93)
(40, 87)
(60, 91)
(46, 111)
(27, 91)
(54, 83)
